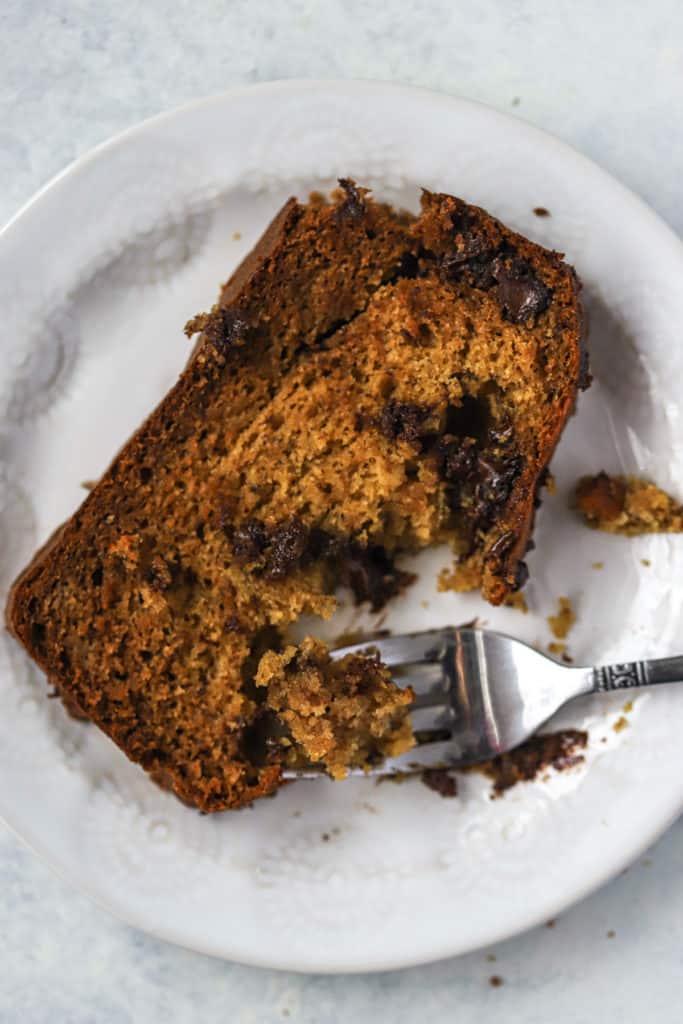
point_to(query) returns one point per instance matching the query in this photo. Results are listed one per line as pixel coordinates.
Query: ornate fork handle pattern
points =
(632, 674)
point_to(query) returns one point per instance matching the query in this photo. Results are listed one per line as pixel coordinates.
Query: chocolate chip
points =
(503, 545)
(231, 329)
(233, 624)
(371, 574)
(496, 480)
(470, 240)
(521, 575)
(288, 545)
(519, 292)
(353, 205)
(498, 554)
(38, 636)
(475, 266)
(463, 220)
(249, 540)
(499, 550)
(403, 420)
(222, 328)
(501, 435)
(480, 473)
(409, 266)
(368, 571)
(456, 458)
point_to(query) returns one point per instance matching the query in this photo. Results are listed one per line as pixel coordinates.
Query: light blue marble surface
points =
(607, 77)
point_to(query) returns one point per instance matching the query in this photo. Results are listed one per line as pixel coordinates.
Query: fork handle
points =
(632, 674)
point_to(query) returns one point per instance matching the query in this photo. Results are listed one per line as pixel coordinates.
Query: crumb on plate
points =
(561, 623)
(517, 601)
(627, 505)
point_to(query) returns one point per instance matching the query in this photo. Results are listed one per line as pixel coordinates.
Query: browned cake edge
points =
(205, 365)
(501, 574)
(469, 241)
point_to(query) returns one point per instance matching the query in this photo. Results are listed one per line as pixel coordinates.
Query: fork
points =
(479, 693)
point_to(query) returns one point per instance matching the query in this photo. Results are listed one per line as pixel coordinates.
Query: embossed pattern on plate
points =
(328, 876)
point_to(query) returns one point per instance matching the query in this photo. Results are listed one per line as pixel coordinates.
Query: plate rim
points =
(379, 89)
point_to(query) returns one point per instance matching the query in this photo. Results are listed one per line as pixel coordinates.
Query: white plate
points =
(97, 276)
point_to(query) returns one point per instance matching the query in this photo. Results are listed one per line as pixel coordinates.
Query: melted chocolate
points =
(353, 206)
(249, 540)
(520, 293)
(403, 420)
(288, 548)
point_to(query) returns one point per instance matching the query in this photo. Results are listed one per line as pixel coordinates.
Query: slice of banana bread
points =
(367, 385)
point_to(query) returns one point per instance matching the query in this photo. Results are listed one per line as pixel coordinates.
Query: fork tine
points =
(431, 718)
(430, 699)
(401, 650)
(428, 755)
(425, 678)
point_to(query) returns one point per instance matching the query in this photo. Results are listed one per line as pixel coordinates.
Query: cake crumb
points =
(325, 837)
(441, 781)
(561, 623)
(557, 648)
(517, 601)
(628, 706)
(567, 658)
(541, 211)
(495, 981)
(236, 235)
(551, 923)
(620, 724)
(463, 577)
(597, 565)
(365, 717)
(89, 485)
(611, 933)
(627, 505)
(559, 750)
(491, 958)
(550, 483)
(646, 562)
(515, 101)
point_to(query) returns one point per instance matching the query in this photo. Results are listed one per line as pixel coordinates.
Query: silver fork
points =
(479, 693)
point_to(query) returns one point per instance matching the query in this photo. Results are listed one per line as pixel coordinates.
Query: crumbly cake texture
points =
(557, 750)
(342, 713)
(366, 385)
(627, 505)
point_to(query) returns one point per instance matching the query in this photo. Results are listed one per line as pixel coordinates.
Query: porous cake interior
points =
(365, 388)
